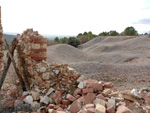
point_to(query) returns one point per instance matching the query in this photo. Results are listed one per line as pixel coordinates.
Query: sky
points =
(71, 17)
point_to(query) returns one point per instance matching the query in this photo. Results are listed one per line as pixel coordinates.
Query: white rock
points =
(135, 92)
(100, 109)
(28, 99)
(37, 89)
(99, 101)
(35, 95)
(111, 102)
(35, 105)
(45, 100)
(42, 69)
(46, 76)
(81, 78)
(50, 110)
(56, 71)
(25, 93)
(50, 91)
(71, 69)
(80, 85)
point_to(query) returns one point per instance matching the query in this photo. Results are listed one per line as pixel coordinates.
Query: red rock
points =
(147, 97)
(81, 99)
(57, 106)
(76, 106)
(59, 109)
(143, 94)
(13, 93)
(110, 109)
(108, 85)
(60, 112)
(94, 84)
(77, 92)
(38, 50)
(21, 98)
(70, 97)
(78, 96)
(9, 104)
(82, 111)
(89, 106)
(90, 110)
(66, 102)
(89, 98)
(123, 109)
(87, 90)
(57, 97)
(51, 106)
(100, 96)
(90, 82)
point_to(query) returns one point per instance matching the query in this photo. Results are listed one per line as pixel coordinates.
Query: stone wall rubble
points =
(91, 96)
(32, 47)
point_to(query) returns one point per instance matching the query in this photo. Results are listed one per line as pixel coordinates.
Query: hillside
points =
(9, 37)
(109, 58)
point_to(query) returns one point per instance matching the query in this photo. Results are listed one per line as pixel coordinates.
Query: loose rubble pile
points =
(91, 96)
(32, 47)
(1, 44)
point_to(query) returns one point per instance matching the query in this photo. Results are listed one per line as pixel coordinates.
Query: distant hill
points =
(9, 37)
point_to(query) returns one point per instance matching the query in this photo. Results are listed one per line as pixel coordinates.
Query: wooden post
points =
(7, 65)
(24, 72)
(16, 69)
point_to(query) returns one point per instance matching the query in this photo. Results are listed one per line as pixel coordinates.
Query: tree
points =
(90, 35)
(85, 33)
(73, 41)
(80, 34)
(104, 34)
(64, 40)
(113, 33)
(130, 31)
(56, 40)
(83, 39)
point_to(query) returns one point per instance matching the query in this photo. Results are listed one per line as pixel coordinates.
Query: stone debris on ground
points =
(41, 74)
(94, 101)
(57, 88)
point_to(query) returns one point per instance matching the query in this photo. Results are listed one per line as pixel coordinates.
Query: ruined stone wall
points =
(42, 74)
(1, 44)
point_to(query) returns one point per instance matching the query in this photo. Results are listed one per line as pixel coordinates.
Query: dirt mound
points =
(63, 53)
(107, 57)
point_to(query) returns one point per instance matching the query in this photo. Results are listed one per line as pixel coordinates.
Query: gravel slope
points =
(123, 60)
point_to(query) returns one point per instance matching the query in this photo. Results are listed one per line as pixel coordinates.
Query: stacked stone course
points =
(42, 74)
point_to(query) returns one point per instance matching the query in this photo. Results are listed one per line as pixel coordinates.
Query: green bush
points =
(73, 41)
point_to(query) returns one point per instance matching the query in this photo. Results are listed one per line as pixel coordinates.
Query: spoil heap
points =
(32, 53)
(1, 44)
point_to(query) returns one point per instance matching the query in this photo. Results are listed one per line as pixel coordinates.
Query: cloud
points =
(144, 21)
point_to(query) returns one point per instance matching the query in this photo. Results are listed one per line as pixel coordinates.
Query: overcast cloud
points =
(70, 17)
(145, 21)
